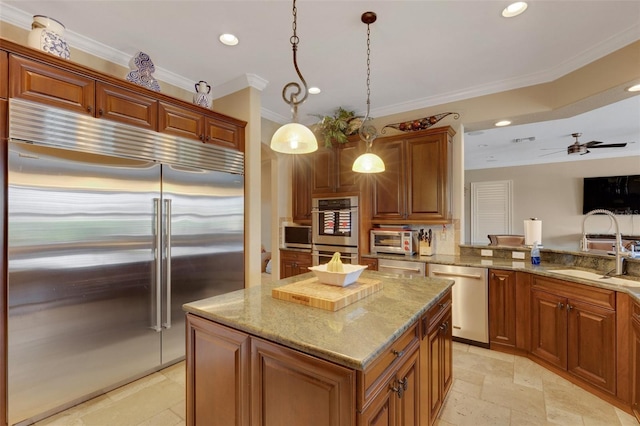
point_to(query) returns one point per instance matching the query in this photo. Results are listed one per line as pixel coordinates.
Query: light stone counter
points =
(352, 336)
(551, 260)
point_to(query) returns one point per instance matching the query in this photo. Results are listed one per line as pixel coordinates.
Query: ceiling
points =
(423, 53)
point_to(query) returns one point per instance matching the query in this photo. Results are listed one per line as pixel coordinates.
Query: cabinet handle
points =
(442, 305)
(208, 138)
(404, 383)
(202, 137)
(89, 108)
(444, 326)
(396, 353)
(100, 112)
(569, 307)
(560, 305)
(402, 386)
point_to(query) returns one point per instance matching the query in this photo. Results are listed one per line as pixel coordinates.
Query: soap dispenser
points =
(535, 254)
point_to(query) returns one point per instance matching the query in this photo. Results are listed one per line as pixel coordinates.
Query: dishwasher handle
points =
(457, 275)
(399, 267)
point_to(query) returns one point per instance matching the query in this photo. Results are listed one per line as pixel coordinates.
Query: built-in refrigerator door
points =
(82, 300)
(205, 247)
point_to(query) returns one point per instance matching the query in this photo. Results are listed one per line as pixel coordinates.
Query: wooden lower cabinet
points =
(574, 328)
(291, 388)
(502, 308)
(294, 263)
(398, 402)
(635, 360)
(218, 362)
(437, 359)
(372, 263)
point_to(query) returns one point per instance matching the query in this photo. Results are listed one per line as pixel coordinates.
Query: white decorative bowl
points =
(341, 279)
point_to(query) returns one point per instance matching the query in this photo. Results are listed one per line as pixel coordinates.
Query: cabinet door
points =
(447, 353)
(293, 263)
(223, 134)
(323, 180)
(118, 104)
(427, 178)
(346, 154)
(4, 75)
(292, 388)
(180, 121)
(549, 327)
(389, 187)
(382, 411)
(301, 189)
(502, 308)
(219, 394)
(635, 367)
(434, 360)
(592, 344)
(42, 83)
(408, 401)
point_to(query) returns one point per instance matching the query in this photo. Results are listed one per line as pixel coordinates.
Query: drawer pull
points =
(560, 305)
(396, 353)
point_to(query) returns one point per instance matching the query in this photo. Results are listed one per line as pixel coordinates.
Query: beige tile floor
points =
(489, 388)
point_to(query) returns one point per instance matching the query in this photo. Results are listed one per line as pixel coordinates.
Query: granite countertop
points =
(557, 261)
(352, 336)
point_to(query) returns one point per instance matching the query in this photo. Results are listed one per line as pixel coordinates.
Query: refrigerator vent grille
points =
(45, 125)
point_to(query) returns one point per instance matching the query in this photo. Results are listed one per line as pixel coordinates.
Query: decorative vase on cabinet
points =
(202, 96)
(47, 35)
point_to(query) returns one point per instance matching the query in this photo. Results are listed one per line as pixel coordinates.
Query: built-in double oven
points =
(334, 224)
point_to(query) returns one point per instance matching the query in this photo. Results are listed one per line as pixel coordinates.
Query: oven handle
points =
(352, 210)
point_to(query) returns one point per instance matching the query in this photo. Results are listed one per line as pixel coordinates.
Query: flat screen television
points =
(618, 194)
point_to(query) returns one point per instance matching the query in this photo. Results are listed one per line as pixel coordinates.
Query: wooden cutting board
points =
(311, 292)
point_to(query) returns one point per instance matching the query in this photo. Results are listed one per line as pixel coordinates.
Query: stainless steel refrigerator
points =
(104, 248)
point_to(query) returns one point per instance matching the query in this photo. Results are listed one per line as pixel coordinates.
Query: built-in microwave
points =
(296, 236)
(400, 241)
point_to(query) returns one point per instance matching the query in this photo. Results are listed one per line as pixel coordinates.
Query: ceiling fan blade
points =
(583, 153)
(592, 144)
(609, 145)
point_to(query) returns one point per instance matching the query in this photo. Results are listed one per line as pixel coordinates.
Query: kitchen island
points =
(255, 360)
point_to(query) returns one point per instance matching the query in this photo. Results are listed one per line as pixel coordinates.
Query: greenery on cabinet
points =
(337, 127)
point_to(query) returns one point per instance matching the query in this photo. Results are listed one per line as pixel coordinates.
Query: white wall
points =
(553, 193)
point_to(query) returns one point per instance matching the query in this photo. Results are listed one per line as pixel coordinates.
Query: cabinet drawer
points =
(375, 376)
(295, 255)
(574, 291)
(435, 313)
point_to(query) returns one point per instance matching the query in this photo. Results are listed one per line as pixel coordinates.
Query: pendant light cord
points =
(367, 132)
(292, 100)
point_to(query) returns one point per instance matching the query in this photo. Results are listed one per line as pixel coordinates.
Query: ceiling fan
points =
(583, 148)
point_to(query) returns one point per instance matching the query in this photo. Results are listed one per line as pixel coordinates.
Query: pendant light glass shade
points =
(368, 163)
(294, 138)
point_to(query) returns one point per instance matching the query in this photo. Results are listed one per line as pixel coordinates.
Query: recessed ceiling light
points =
(314, 90)
(502, 123)
(634, 88)
(228, 39)
(514, 9)
(483, 145)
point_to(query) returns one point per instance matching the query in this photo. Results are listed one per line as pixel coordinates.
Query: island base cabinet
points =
(217, 374)
(398, 403)
(635, 366)
(291, 388)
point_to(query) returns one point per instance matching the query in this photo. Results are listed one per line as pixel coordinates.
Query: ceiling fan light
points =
(294, 138)
(368, 163)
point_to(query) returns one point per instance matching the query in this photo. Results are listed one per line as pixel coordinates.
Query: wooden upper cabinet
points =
(4, 75)
(416, 185)
(193, 124)
(332, 168)
(301, 189)
(125, 106)
(180, 121)
(42, 83)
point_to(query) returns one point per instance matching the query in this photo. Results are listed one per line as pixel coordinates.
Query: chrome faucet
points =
(619, 250)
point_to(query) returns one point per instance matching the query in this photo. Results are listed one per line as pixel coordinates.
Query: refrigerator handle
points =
(167, 209)
(158, 264)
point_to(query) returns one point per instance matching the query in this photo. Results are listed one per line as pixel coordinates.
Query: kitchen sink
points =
(578, 273)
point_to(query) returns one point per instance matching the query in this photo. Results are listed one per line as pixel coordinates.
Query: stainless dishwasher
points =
(470, 301)
(402, 267)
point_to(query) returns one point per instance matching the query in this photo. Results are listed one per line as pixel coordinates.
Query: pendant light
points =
(294, 138)
(368, 162)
